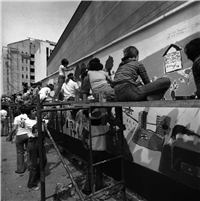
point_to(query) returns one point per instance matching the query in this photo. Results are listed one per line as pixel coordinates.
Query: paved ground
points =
(57, 182)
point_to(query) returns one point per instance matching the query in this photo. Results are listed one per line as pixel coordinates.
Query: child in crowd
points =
(99, 79)
(61, 78)
(44, 93)
(98, 131)
(69, 88)
(125, 81)
(21, 141)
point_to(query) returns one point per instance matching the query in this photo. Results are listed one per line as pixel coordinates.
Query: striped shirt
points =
(129, 71)
(196, 74)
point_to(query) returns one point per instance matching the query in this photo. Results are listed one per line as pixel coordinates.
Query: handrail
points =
(193, 103)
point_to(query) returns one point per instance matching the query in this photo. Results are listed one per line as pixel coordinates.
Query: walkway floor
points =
(57, 182)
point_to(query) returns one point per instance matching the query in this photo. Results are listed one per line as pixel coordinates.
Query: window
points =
(32, 62)
(26, 69)
(26, 60)
(32, 56)
(32, 77)
(26, 76)
(32, 70)
(22, 68)
(22, 60)
(22, 76)
(47, 51)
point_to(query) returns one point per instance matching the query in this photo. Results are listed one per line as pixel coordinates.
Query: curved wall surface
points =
(100, 23)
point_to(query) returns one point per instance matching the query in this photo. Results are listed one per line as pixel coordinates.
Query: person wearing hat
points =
(69, 88)
(100, 81)
(98, 133)
(61, 78)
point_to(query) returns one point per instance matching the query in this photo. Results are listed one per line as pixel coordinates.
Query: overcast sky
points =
(44, 19)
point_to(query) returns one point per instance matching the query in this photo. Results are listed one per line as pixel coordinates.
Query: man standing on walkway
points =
(4, 126)
(19, 129)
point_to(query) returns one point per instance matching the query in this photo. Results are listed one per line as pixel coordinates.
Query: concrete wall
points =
(103, 22)
(18, 66)
(41, 60)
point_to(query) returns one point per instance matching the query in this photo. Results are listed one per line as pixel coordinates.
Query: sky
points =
(44, 19)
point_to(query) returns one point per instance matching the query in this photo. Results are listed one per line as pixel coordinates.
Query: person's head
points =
(50, 86)
(4, 107)
(24, 110)
(130, 52)
(70, 76)
(95, 65)
(192, 49)
(65, 62)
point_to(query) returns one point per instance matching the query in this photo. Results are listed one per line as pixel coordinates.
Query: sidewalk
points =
(14, 186)
(57, 182)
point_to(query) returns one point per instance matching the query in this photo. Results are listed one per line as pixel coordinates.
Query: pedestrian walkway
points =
(57, 183)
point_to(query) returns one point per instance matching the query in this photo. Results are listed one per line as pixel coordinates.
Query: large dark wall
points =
(96, 24)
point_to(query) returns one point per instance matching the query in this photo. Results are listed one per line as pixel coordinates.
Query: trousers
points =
(98, 172)
(61, 80)
(21, 142)
(129, 92)
(34, 174)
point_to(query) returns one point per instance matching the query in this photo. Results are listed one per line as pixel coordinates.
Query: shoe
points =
(19, 172)
(36, 188)
(86, 192)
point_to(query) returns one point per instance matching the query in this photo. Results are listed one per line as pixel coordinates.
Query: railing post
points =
(41, 148)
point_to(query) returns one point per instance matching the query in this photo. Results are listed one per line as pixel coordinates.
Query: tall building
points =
(25, 61)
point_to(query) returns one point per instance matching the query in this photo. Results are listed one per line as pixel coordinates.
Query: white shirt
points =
(20, 122)
(61, 70)
(69, 89)
(3, 114)
(44, 93)
(99, 142)
(29, 124)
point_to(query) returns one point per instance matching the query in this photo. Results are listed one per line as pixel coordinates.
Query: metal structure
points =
(72, 105)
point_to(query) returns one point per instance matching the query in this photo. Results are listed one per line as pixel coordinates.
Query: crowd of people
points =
(131, 83)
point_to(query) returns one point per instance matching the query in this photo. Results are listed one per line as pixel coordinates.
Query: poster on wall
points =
(172, 59)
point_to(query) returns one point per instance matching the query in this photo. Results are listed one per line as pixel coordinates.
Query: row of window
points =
(31, 70)
(32, 77)
(32, 56)
(23, 69)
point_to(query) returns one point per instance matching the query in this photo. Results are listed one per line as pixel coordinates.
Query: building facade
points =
(95, 24)
(25, 61)
(163, 140)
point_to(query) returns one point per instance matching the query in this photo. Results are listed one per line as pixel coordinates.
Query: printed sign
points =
(172, 59)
